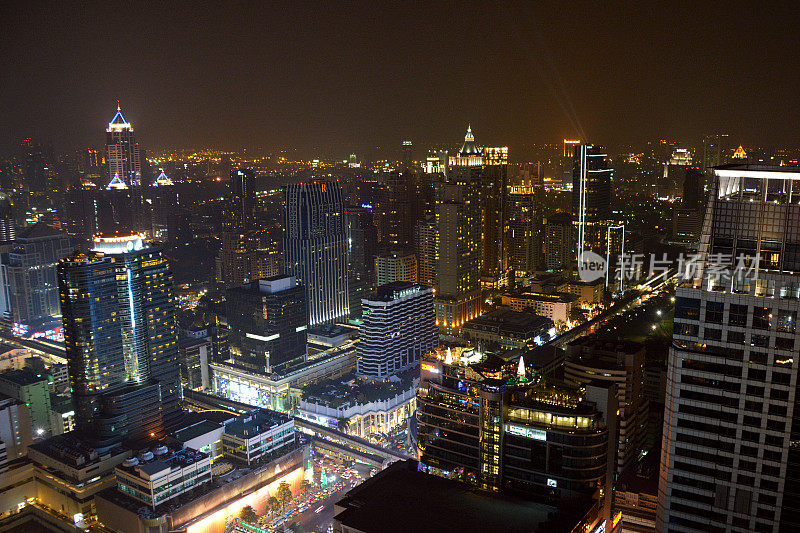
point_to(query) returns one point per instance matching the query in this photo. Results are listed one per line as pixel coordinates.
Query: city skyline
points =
(331, 80)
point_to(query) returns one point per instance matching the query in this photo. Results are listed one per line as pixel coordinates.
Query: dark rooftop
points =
(22, 376)
(255, 422)
(401, 499)
(506, 320)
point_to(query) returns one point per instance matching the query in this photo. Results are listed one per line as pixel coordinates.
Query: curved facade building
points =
(315, 247)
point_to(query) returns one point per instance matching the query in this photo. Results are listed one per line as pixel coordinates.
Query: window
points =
(714, 312)
(738, 316)
(712, 334)
(690, 330)
(688, 308)
(762, 341)
(762, 317)
(786, 320)
(736, 337)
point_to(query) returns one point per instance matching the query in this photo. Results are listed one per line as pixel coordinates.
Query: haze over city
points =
(329, 79)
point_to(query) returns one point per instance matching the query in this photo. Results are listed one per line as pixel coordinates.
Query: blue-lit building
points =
(315, 247)
(120, 335)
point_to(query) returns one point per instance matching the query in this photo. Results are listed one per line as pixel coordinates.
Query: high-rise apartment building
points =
(395, 265)
(121, 339)
(729, 462)
(425, 247)
(558, 240)
(29, 298)
(268, 322)
(315, 247)
(523, 230)
(399, 328)
(124, 162)
(458, 241)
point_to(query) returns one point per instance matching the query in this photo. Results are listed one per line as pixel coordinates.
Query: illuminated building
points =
(458, 220)
(399, 328)
(7, 227)
(157, 476)
(281, 392)
(523, 230)
(208, 507)
(590, 359)
(258, 437)
(120, 337)
(728, 461)
(395, 265)
(315, 247)
(558, 239)
(425, 248)
(33, 390)
(494, 424)
(16, 428)
(268, 322)
(124, 163)
(556, 306)
(591, 199)
(29, 298)
(504, 329)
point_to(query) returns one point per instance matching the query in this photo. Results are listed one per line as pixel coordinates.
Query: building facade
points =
(121, 339)
(728, 462)
(124, 160)
(399, 328)
(268, 322)
(395, 265)
(315, 247)
(501, 429)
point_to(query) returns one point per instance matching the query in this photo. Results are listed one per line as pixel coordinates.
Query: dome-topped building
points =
(469, 148)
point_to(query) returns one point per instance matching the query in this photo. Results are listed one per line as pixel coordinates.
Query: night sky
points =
(330, 78)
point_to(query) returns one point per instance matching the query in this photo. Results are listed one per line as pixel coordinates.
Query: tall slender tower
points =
(315, 247)
(120, 335)
(124, 163)
(729, 460)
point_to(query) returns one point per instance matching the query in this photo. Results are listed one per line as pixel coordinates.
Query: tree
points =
(273, 505)
(248, 514)
(284, 493)
(304, 486)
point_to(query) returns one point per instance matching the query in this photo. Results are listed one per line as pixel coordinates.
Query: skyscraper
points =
(121, 339)
(458, 220)
(523, 230)
(362, 242)
(268, 323)
(124, 163)
(728, 461)
(315, 247)
(243, 196)
(399, 328)
(595, 227)
(29, 297)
